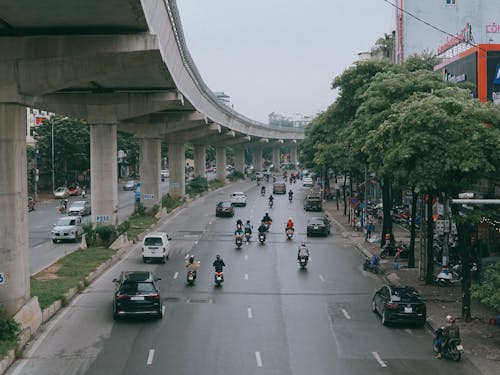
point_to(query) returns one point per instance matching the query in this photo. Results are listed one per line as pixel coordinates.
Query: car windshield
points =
(316, 220)
(405, 295)
(133, 287)
(59, 189)
(78, 204)
(65, 221)
(153, 241)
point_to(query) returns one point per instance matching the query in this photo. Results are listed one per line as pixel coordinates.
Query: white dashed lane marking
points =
(322, 278)
(246, 276)
(249, 313)
(150, 356)
(176, 275)
(379, 360)
(258, 359)
(347, 316)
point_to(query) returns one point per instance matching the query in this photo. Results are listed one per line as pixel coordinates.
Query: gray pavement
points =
(481, 340)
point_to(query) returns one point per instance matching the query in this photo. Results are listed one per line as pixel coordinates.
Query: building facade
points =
(479, 17)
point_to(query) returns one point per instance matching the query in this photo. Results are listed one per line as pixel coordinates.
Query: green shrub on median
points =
(9, 329)
(170, 203)
(52, 283)
(215, 184)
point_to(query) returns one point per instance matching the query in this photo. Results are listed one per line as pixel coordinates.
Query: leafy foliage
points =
(488, 292)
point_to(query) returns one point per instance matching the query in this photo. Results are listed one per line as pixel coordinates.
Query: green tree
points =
(488, 291)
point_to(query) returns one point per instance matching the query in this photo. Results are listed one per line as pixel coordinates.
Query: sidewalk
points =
(481, 341)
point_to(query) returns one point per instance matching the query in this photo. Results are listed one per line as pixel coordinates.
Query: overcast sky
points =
(280, 55)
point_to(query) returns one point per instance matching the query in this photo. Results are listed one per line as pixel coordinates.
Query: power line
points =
(430, 24)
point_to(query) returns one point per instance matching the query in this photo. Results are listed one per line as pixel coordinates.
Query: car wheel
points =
(374, 307)
(384, 319)
(54, 241)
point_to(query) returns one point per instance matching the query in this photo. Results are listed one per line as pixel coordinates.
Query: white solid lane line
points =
(322, 278)
(259, 360)
(379, 360)
(150, 356)
(250, 313)
(347, 316)
(176, 275)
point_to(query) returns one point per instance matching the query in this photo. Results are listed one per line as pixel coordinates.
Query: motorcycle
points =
(219, 278)
(367, 266)
(262, 237)
(270, 203)
(248, 235)
(444, 277)
(453, 349)
(190, 277)
(303, 262)
(262, 192)
(289, 233)
(258, 182)
(239, 240)
(290, 197)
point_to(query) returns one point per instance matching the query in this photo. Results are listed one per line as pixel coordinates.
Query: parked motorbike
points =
(453, 349)
(289, 233)
(303, 262)
(239, 240)
(262, 237)
(218, 278)
(444, 277)
(190, 277)
(367, 266)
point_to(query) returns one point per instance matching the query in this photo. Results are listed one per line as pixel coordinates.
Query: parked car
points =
(75, 190)
(313, 202)
(318, 225)
(31, 204)
(61, 192)
(307, 182)
(137, 293)
(399, 304)
(67, 228)
(238, 199)
(279, 188)
(79, 208)
(156, 246)
(224, 209)
(129, 185)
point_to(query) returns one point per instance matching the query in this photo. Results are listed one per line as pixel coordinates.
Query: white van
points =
(156, 246)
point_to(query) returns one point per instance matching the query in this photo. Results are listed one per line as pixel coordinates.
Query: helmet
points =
(218, 256)
(266, 214)
(248, 221)
(191, 259)
(239, 219)
(289, 219)
(303, 244)
(450, 319)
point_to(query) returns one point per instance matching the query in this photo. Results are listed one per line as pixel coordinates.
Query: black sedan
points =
(224, 209)
(137, 294)
(399, 304)
(318, 225)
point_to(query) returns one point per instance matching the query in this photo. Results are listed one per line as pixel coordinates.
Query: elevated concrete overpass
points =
(120, 65)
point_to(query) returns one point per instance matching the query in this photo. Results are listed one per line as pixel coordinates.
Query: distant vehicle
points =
(239, 199)
(67, 228)
(307, 182)
(137, 293)
(313, 202)
(156, 246)
(61, 192)
(75, 190)
(318, 225)
(279, 188)
(229, 168)
(259, 175)
(399, 304)
(165, 173)
(129, 185)
(79, 208)
(266, 172)
(31, 204)
(224, 209)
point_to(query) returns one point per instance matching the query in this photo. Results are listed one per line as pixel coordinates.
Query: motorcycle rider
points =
(271, 199)
(248, 227)
(218, 263)
(63, 207)
(263, 190)
(450, 331)
(289, 225)
(239, 223)
(239, 231)
(290, 195)
(267, 219)
(303, 251)
(191, 265)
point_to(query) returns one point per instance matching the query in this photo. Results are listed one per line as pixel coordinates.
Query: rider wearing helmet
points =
(263, 190)
(289, 225)
(271, 198)
(450, 331)
(290, 194)
(267, 219)
(239, 223)
(218, 263)
(191, 265)
(248, 227)
(303, 251)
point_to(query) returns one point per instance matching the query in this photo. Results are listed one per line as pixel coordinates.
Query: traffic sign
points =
(102, 218)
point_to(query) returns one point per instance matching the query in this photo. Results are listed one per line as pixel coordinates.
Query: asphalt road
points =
(269, 317)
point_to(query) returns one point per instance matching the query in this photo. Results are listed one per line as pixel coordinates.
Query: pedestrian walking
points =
(370, 226)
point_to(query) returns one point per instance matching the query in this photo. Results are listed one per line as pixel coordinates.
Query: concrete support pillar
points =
(276, 157)
(200, 157)
(176, 166)
(293, 154)
(104, 174)
(220, 162)
(239, 159)
(14, 263)
(257, 159)
(150, 167)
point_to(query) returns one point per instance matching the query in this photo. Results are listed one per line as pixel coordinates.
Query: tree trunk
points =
(385, 185)
(343, 190)
(463, 245)
(411, 253)
(429, 276)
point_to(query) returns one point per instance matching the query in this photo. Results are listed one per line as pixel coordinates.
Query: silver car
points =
(67, 228)
(79, 208)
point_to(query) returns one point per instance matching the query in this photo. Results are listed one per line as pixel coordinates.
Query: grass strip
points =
(139, 224)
